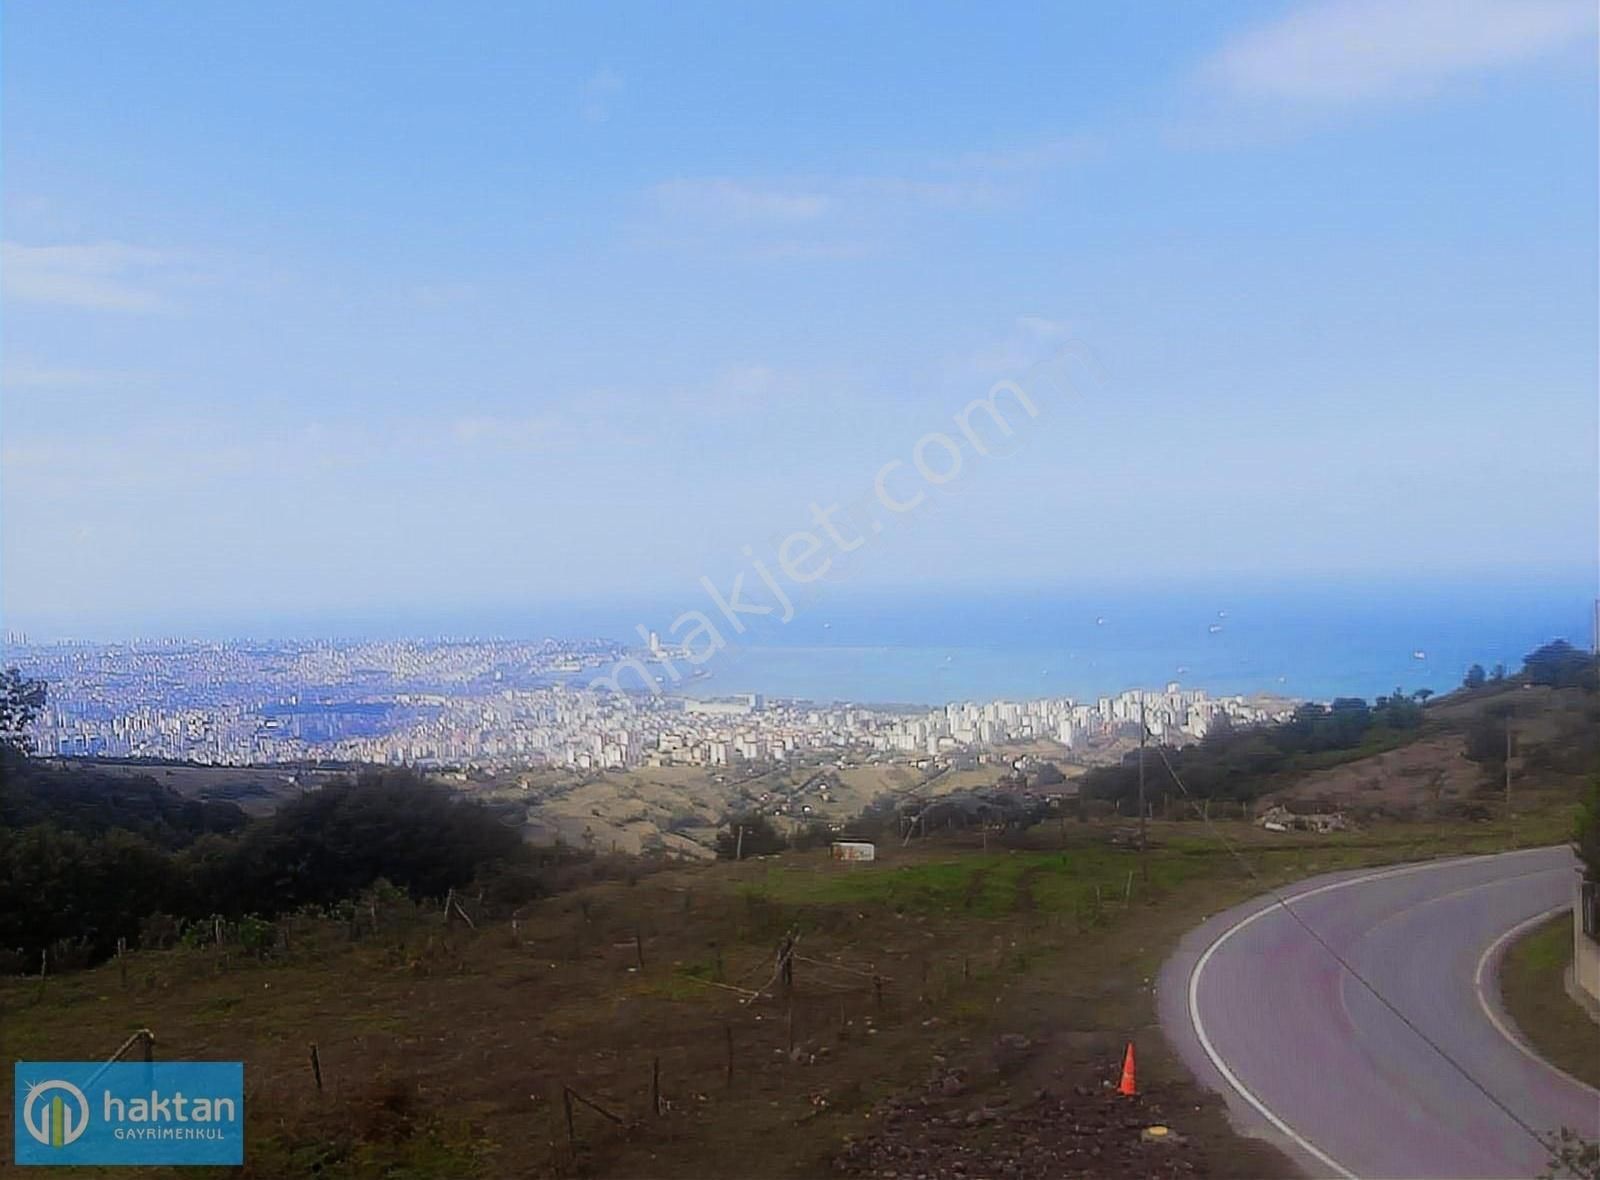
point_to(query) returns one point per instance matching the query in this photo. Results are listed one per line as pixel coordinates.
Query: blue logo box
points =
(130, 1112)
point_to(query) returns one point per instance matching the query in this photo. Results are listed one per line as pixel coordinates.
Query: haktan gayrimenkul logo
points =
(55, 1112)
(128, 1112)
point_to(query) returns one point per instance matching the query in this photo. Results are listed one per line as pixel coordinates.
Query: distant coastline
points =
(1308, 642)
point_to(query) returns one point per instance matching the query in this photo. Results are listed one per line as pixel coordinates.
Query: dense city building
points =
(508, 704)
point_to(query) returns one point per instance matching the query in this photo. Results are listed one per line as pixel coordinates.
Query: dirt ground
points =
(1426, 771)
(1554, 733)
(1076, 1124)
(680, 808)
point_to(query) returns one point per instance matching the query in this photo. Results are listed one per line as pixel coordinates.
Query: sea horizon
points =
(1310, 641)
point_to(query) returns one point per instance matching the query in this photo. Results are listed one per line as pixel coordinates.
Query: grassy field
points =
(1536, 1000)
(972, 983)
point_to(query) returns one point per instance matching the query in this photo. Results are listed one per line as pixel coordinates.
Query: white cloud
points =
(844, 216)
(531, 431)
(721, 197)
(99, 276)
(1031, 157)
(598, 93)
(793, 249)
(1346, 51)
(443, 294)
(154, 458)
(819, 218)
(1030, 341)
(23, 374)
(974, 192)
(814, 200)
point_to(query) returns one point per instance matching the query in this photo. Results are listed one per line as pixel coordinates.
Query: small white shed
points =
(854, 850)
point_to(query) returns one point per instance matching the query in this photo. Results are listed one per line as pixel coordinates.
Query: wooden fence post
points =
(568, 1095)
(316, 1066)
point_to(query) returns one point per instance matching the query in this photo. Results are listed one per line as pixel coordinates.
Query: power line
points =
(1345, 963)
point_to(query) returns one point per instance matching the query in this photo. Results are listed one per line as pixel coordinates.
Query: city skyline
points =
(507, 705)
(389, 311)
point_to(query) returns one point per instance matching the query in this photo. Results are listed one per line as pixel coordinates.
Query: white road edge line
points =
(1491, 955)
(1199, 1025)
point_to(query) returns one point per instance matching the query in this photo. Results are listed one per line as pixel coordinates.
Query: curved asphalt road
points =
(1310, 1060)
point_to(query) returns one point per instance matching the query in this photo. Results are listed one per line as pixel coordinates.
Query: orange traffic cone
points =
(1126, 1086)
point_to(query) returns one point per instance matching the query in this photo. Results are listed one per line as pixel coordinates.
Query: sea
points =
(1314, 639)
(1316, 644)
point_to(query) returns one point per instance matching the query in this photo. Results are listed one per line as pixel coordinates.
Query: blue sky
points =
(394, 307)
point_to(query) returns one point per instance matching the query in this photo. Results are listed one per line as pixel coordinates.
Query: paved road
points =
(1309, 1059)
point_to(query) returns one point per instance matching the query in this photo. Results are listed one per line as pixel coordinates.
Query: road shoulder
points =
(1526, 979)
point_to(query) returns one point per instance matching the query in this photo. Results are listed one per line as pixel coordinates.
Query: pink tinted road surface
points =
(1312, 1061)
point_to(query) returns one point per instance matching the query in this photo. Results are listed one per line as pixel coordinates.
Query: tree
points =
(1559, 665)
(1422, 695)
(1399, 711)
(1219, 730)
(336, 841)
(1572, 1157)
(1048, 775)
(21, 698)
(1486, 739)
(99, 888)
(92, 802)
(1586, 833)
(1348, 719)
(760, 837)
(1476, 677)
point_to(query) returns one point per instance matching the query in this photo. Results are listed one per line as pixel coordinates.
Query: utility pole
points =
(1510, 829)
